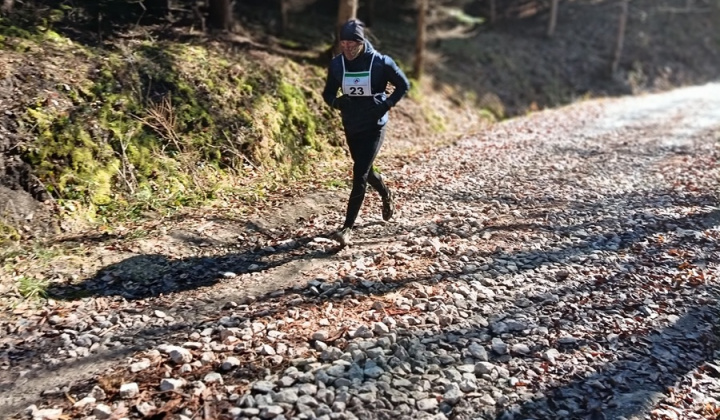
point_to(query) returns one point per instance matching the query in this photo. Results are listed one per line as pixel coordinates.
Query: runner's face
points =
(351, 49)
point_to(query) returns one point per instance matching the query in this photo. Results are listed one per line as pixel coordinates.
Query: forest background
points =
(118, 111)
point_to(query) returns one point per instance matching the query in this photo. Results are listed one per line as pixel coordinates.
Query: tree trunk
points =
(620, 36)
(419, 63)
(7, 6)
(553, 17)
(220, 14)
(370, 13)
(346, 11)
(284, 10)
(493, 12)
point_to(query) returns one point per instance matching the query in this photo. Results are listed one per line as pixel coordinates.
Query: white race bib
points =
(357, 83)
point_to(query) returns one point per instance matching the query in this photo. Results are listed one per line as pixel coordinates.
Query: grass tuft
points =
(32, 288)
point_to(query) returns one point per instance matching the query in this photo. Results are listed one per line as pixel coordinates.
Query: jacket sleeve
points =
(332, 84)
(398, 79)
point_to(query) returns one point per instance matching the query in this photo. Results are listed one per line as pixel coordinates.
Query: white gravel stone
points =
(266, 350)
(263, 386)
(47, 414)
(550, 355)
(380, 328)
(427, 404)
(484, 368)
(193, 345)
(102, 411)
(169, 384)
(307, 389)
(230, 363)
(97, 393)
(213, 378)
(321, 335)
(179, 355)
(84, 402)
(208, 358)
(498, 346)
(288, 396)
(129, 390)
(478, 351)
(145, 408)
(520, 348)
(140, 365)
(271, 411)
(468, 385)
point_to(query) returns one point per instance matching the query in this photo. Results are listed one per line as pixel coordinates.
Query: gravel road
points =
(564, 265)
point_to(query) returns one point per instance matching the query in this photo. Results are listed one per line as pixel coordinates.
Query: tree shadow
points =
(654, 363)
(665, 360)
(144, 276)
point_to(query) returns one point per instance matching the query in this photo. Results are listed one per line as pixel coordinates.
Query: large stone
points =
(453, 394)
(180, 355)
(169, 384)
(380, 328)
(288, 396)
(102, 412)
(321, 335)
(48, 414)
(271, 411)
(213, 378)
(478, 351)
(129, 390)
(263, 387)
(140, 365)
(427, 404)
(484, 368)
(84, 402)
(230, 363)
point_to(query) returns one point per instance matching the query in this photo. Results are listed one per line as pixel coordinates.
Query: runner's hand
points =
(341, 102)
(381, 109)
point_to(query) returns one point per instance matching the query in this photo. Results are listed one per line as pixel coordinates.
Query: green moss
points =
(8, 234)
(109, 155)
(299, 122)
(10, 31)
(414, 92)
(69, 159)
(437, 124)
(53, 36)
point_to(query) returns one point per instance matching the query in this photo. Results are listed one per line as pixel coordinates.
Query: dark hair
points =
(352, 30)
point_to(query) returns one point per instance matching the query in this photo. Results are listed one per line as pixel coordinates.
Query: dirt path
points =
(535, 206)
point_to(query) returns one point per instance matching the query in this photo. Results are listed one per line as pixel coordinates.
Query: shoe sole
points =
(392, 209)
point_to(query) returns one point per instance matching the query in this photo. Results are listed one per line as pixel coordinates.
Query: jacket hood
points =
(367, 52)
(369, 49)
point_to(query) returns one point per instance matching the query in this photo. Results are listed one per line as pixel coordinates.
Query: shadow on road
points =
(151, 275)
(633, 357)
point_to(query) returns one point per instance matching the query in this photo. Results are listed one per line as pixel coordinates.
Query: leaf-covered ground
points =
(560, 265)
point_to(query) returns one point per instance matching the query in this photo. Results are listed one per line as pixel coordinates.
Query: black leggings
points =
(364, 147)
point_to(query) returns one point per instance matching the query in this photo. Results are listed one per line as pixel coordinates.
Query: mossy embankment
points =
(145, 124)
(160, 123)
